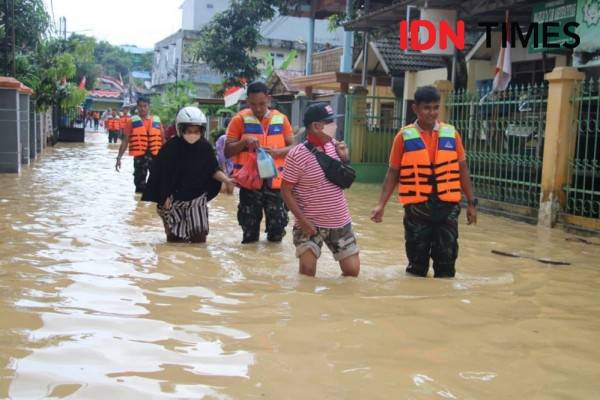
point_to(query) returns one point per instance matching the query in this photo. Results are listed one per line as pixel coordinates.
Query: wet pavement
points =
(95, 305)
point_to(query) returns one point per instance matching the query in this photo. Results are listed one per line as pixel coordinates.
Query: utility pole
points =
(64, 27)
(13, 44)
(9, 37)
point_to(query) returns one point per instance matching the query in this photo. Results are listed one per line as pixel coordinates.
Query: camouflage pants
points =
(141, 168)
(431, 230)
(250, 213)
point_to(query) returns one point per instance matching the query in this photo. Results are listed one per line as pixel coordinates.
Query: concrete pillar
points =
(346, 65)
(38, 132)
(32, 131)
(24, 127)
(357, 123)
(298, 106)
(309, 45)
(559, 141)
(445, 87)
(10, 141)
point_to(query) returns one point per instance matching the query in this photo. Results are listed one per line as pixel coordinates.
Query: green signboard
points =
(561, 11)
(588, 18)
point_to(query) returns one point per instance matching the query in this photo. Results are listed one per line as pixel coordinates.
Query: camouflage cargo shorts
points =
(341, 242)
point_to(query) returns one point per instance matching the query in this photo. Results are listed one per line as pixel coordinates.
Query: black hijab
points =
(177, 164)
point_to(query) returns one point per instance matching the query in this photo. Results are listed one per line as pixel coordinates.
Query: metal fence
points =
(503, 136)
(370, 126)
(583, 189)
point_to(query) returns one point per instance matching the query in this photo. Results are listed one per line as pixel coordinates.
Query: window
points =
(209, 5)
(529, 72)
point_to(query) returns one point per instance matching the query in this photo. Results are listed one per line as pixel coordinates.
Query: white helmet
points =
(189, 116)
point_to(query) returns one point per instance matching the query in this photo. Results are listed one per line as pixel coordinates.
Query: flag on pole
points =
(82, 83)
(503, 65)
(233, 95)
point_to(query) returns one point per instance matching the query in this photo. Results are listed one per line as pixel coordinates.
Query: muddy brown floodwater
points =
(95, 305)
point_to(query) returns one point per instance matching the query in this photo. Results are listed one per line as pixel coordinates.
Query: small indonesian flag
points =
(82, 83)
(233, 95)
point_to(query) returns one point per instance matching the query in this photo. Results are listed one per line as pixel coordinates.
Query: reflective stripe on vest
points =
(419, 178)
(272, 138)
(141, 140)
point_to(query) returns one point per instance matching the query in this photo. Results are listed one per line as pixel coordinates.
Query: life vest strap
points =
(449, 191)
(448, 180)
(445, 163)
(412, 166)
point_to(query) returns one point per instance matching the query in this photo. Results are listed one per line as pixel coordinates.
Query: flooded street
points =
(94, 304)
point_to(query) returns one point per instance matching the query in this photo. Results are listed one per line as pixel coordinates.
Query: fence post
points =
(358, 123)
(559, 141)
(445, 87)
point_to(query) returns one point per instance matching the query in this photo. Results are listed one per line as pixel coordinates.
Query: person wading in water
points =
(144, 135)
(253, 127)
(184, 177)
(428, 163)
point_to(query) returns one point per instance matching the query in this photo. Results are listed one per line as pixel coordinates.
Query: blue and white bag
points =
(265, 164)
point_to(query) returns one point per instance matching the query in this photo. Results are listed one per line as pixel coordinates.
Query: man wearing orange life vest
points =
(125, 119)
(259, 126)
(113, 126)
(144, 136)
(428, 163)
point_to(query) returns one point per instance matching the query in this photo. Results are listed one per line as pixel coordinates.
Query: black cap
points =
(319, 112)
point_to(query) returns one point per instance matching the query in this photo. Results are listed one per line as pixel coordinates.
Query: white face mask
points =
(191, 139)
(330, 129)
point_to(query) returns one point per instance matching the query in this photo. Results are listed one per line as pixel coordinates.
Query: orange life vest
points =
(419, 177)
(113, 124)
(125, 119)
(141, 140)
(272, 138)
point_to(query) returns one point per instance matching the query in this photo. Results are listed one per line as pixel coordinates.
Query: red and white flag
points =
(503, 65)
(82, 83)
(233, 95)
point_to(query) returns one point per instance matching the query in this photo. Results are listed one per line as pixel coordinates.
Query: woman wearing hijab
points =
(184, 177)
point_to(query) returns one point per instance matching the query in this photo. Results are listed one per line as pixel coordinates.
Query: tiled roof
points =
(285, 76)
(398, 61)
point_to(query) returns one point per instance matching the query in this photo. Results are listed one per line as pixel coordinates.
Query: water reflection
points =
(94, 304)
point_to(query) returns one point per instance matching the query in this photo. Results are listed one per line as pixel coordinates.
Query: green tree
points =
(227, 42)
(31, 22)
(114, 60)
(174, 97)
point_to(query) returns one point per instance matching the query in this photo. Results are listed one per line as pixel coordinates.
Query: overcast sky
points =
(138, 22)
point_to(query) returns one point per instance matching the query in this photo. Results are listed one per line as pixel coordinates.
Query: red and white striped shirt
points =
(321, 202)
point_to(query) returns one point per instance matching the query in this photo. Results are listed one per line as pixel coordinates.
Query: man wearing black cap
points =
(318, 204)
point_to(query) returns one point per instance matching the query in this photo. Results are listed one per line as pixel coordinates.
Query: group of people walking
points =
(427, 163)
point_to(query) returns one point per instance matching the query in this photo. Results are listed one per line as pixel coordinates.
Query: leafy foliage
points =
(226, 43)
(174, 97)
(31, 22)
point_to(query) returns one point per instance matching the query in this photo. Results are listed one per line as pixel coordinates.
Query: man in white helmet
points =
(184, 177)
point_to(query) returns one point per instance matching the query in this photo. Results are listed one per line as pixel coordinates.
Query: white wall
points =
(413, 80)
(197, 13)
